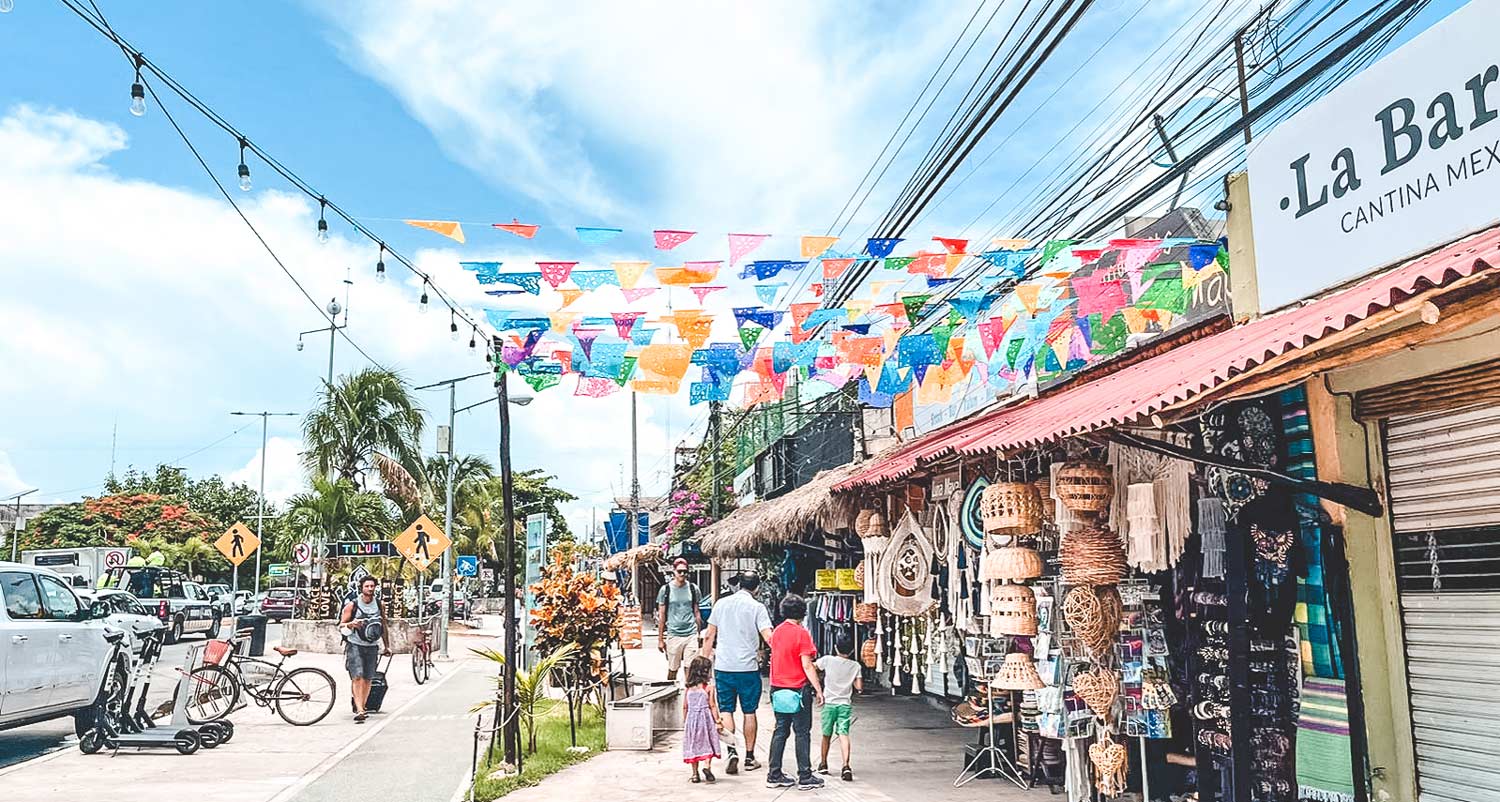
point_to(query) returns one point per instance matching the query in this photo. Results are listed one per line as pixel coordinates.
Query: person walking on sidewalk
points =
(840, 682)
(794, 689)
(678, 619)
(732, 640)
(366, 636)
(700, 720)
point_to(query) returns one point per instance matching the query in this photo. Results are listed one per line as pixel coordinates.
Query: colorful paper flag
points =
(953, 245)
(741, 245)
(633, 294)
(881, 247)
(834, 268)
(569, 296)
(629, 273)
(556, 273)
(590, 280)
(596, 235)
(448, 228)
(667, 239)
(625, 321)
(815, 246)
(767, 292)
(520, 229)
(702, 291)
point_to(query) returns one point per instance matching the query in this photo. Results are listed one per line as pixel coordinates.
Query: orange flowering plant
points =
(575, 607)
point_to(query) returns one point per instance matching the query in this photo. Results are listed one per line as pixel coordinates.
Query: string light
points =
(380, 266)
(452, 326)
(422, 304)
(322, 220)
(471, 338)
(244, 170)
(138, 89)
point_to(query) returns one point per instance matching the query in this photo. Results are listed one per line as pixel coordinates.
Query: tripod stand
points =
(992, 758)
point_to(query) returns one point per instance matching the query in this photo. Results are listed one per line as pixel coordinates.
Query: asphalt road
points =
(24, 743)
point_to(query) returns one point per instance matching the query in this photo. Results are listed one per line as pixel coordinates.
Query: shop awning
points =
(783, 519)
(1190, 370)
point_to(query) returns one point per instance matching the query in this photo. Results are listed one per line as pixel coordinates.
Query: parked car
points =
(54, 660)
(183, 606)
(222, 596)
(281, 603)
(242, 602)
(124, 612)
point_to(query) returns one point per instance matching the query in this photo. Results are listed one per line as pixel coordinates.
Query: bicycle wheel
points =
(304, 696)
(421, 665)
(213, 693)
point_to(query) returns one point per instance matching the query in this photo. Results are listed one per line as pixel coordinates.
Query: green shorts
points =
(836, 719)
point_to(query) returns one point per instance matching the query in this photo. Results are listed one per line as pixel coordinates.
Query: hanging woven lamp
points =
(1092, 555)
(1044, 492)
(1086, 487)
(1013, 564)
(1018, 673)
(1012, 611)
(1098, 688)
(1093, 613)
(1011, 508)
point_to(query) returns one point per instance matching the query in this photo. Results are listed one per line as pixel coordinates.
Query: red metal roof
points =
(1131, 393)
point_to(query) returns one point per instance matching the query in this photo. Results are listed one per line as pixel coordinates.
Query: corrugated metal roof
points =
(1127, 395)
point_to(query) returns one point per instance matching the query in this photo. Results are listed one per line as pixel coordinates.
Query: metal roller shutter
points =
(1444, 471)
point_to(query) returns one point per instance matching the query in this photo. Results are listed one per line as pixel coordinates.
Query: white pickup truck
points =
(54, 660)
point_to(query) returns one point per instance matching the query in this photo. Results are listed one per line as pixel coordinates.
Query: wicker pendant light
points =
(1018, 673)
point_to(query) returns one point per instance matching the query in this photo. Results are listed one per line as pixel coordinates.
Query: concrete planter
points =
(322, 635)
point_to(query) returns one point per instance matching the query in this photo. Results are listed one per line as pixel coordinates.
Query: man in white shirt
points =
(732, 640)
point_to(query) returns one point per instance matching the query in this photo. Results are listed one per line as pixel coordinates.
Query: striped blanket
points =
(1324, 769)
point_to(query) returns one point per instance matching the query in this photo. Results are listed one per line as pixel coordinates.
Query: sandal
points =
(359, 718)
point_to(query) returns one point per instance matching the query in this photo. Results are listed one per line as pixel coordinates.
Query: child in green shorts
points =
(841, 681)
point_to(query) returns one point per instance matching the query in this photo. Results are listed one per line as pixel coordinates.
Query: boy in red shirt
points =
(794, 689)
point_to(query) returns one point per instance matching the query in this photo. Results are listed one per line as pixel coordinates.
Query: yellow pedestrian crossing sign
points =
(237, 544)
(422, 543)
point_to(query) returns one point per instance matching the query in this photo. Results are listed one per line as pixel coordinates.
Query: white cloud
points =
(153, 305)
(10, 479)
(284, 477)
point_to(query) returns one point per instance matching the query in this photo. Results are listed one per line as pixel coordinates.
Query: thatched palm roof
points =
(650, 552)
(783, 519)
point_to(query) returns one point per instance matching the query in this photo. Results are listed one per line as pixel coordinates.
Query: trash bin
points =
(256, 623)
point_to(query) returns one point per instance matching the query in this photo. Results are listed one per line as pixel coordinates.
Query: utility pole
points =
(1239, 66)
(714, 489)
(15, 526)
(333, 309)
(260, 507)
(447, 569)
(635, 503)
(512, 732)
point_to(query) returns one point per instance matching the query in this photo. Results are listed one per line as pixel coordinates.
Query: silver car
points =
(125, 613)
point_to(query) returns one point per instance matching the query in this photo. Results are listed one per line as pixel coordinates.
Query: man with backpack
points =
(678, 619)
(366, 637)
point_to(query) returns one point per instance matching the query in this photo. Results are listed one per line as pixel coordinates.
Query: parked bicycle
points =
(301, 696)
(421, 651)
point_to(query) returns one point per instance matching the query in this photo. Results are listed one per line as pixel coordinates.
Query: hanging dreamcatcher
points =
(971, 515)
(904, 576)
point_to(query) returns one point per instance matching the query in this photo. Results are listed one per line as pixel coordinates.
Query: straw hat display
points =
(1011, 508)
(1017, 673)
(1011, 563)
(1094, 615)
(1092, 555)
(1086, 487)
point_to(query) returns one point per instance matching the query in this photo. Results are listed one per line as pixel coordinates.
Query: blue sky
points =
(134, 298)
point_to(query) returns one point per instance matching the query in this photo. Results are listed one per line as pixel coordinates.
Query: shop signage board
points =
(422, 543)
(825, 579)
(360, 548)
(1401, 158)
(279, 570)
(237, 544)
(847, 580)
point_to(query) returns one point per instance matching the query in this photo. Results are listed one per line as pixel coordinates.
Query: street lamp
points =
(333, 309)
(260, 509)
(15, 525)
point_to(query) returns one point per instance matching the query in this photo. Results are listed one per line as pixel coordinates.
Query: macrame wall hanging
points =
(903, 579)
(1156, 522)
(1212, 522)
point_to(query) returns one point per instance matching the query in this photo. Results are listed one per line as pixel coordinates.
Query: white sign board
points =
(1401, 158)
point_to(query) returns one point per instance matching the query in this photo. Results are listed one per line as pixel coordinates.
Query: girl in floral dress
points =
(700, 720)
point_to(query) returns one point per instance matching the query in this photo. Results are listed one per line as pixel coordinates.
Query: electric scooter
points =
(138, 719)
(110, 730)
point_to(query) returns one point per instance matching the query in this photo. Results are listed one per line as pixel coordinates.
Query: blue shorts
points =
(738, 690)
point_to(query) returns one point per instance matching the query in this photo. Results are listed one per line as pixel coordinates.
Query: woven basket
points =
(865, 613)
(1013, 599)
(1094, 615)
(868, 652)
(1011, 508)
(1015, 563)
(1110, 761)
(1012, 623)
(1085, 487)
(877, 525)
(1044, 492)
(862, 522)
(1017, 673)
(1092, 555)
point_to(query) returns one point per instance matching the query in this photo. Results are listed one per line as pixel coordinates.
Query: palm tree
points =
(531, 687)
(334, 510)
(191, 553)
(470, 473)
(367, 421)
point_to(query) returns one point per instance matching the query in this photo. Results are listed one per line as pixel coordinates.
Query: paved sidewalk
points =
(270, 760)
(904, 748)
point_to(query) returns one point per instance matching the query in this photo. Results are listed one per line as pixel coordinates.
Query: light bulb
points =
(322, 230)
(380, 272)
(6, 6)
(138, 99)
(244, 177)
(453, 332)
(471, 341)
(422, 305)
(299, 343)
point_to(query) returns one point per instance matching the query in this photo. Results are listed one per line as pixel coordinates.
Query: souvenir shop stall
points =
(1118, 601)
